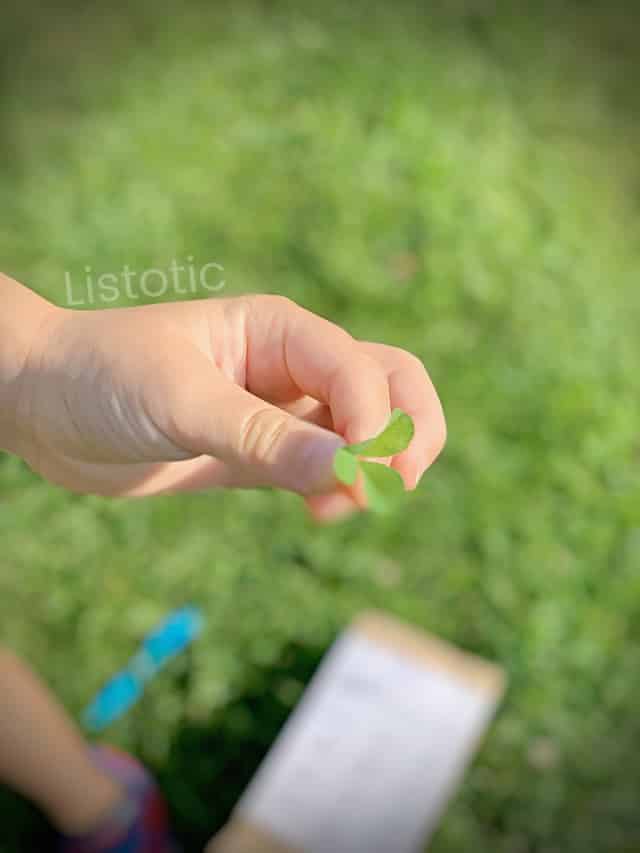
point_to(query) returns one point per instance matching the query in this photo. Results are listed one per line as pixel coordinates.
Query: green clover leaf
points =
(383, 485)
(346, 465)
(393, 439)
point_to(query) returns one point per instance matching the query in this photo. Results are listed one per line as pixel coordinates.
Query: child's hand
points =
(252, 391)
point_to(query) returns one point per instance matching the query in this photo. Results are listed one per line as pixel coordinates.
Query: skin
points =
(235, 393)
(44, 756)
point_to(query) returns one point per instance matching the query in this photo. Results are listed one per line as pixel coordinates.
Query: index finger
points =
(292, 352)
(412, 390)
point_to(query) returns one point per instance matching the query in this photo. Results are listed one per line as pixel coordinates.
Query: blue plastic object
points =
(164, 643)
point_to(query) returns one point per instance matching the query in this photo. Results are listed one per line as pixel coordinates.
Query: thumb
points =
(261, 443)
(272, 447)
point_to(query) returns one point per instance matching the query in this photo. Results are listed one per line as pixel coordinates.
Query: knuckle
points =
(440, 437)
(372, 367)
(261, 436)
(243, 303)
(275, 302)
(415, 363)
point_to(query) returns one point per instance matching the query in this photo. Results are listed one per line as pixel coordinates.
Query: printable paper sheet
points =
(376, 746)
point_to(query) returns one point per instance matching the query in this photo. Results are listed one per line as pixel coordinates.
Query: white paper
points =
(368, 759)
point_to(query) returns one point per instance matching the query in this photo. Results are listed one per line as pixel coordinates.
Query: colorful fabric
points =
(140, 824)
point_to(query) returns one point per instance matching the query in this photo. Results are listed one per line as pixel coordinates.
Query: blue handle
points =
(160, 646)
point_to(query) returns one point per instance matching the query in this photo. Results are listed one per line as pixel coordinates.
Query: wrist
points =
(24, 318)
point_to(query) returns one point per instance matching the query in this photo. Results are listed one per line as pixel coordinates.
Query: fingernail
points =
(318, 473)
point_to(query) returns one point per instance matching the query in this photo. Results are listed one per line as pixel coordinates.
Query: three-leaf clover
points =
(383, 486)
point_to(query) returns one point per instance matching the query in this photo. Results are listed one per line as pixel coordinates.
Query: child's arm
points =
(245, 392)
(44, 757)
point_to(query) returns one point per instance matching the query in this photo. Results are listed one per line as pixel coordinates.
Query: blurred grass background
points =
(461, 179)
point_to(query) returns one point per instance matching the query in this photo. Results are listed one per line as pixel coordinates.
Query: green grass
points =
(460, 182)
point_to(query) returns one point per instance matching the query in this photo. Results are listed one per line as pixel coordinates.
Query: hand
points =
(244, 392)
